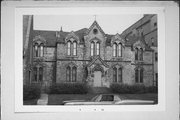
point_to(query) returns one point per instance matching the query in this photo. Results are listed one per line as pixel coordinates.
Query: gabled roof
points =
(96, 59)
(49, 36)
(95, 24)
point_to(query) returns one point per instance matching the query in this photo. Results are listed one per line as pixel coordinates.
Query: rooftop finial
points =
(95, 17)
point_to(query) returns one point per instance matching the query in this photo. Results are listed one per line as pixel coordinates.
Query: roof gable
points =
(95, 24)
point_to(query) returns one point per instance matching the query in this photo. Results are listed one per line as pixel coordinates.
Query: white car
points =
(107, 99)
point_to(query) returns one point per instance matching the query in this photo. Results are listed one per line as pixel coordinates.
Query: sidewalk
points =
(43, 99)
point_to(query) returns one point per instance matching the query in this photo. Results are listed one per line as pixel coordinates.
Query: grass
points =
(56, 99)
(30, 102)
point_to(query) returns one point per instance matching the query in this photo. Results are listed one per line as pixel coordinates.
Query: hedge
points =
(68, 88)
(31, 92)
(132, 89)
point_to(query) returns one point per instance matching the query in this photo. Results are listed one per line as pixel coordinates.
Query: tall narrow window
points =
(35, 74)
(141, 54)
(74, 73)
(136, 75)
(141, 76)
(136, 53)
(156, 57)
(92, 48)
(114, 50)
(69, 48)
(36, 50)
(68, 74)
(120, 50)
(74, 48)
(114, 74)
(120, 75)
(41, 50)
(97, 48)
(40, 74)
(156, 82)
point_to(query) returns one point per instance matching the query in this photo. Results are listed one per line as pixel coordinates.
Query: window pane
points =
(114, 49)
(69, 48)
(74, 48)
(141, 54)
(136, 54)
(136, 76)
(98, 45)
(36, 50)
(92, 48)
(120, 74)
(68, 74)
(114, 74)
(120, 50)
(41, 50)
(40, 74)
(141, 76)
(35, 74)
(74, 70)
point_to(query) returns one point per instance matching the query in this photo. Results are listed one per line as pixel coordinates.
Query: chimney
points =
(61, 29)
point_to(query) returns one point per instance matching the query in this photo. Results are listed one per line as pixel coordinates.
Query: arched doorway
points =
(97, 71)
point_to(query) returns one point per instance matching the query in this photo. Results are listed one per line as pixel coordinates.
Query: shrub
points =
(31, 92)
(132, 89)
(68, 88)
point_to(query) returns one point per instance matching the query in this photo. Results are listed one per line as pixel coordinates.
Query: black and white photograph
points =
(90, 59)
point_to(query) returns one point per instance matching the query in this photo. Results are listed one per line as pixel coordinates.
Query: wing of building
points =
(90, 55)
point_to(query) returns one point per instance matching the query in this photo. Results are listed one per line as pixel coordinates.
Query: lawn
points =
(56, 99)
(30, 102)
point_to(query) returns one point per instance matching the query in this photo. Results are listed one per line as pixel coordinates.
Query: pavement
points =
(43, 100)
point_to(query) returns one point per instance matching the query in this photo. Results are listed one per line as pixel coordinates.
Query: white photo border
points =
(19, 12)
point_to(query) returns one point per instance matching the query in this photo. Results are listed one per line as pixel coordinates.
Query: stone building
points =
(90, 55)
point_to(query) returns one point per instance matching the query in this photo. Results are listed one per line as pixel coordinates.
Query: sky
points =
(111, 24)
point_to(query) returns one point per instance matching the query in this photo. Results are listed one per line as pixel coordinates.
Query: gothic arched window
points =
(136, 75)
(41, 74)
(92, 48)
(114, 50)
(68, 48)
(35, 74)
(41, 50)
(36, 50)
(136, 53)
(68, 74)
(114, 74)
(74, 48)
(120, 50)
(74, 74)
(140, 54)
(120, 75)
(141, 76)
(97, 48)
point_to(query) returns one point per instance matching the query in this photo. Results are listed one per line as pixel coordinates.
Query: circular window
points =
(95, 31)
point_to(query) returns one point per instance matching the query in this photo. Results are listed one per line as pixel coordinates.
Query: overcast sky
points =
(111, 24)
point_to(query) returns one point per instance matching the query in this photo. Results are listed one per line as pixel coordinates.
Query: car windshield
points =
(107, 98)
(94, 98)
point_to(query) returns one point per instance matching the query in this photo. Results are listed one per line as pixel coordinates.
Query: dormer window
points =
(139, 54)
(38, 50)
(117, 49)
